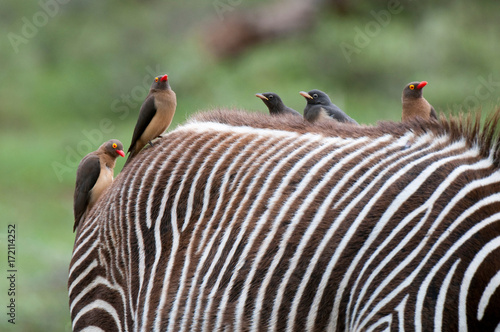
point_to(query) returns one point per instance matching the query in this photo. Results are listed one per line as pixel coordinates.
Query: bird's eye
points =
(156, 79)
(315, 95)
(114, 145)
(270, 97)
(412, 86)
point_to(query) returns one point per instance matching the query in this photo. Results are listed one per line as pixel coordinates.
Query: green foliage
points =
(93, 61)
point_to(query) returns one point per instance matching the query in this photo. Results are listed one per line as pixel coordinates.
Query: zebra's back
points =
(245, 222)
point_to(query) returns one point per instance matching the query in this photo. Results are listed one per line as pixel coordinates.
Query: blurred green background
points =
(74, 74)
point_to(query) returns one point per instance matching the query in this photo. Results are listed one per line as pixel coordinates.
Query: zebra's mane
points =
(462, 127)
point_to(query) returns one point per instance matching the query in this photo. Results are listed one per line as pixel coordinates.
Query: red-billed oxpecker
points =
(93, 176)
(414, 104)
(155, 115)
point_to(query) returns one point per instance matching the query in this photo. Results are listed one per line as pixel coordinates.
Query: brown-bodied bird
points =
(93, 176)
(319, 106)
(414, 104)
(275, 104)
(155, 115)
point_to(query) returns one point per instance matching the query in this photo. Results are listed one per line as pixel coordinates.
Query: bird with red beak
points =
(155, 115)
(414, 103)
(93, 176)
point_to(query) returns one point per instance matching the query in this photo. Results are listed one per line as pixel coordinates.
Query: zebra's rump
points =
(243, 222)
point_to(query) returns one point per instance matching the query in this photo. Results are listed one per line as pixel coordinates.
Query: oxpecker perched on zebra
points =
(249, 222)
(155, 115)
(93, 176)
(414, 103)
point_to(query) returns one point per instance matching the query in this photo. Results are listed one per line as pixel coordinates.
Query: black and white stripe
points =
(242, 222)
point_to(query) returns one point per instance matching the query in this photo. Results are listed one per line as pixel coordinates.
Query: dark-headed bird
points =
(155, 115)
(93, 176)
(414, 104)
(275, 104)
(319, 106)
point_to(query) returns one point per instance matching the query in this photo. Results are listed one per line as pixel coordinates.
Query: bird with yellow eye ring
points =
(414, 103)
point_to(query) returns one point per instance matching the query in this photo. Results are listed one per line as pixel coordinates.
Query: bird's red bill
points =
(421, 84)
(121, 153)
(164, 78)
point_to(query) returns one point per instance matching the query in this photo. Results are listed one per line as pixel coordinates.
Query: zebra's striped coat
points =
(243, 222)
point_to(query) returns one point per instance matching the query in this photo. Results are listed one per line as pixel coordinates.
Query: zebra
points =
(241, 221)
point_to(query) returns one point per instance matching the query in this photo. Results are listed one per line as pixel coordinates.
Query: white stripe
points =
(318, 218)
(256, 158)
(401, 310)
(228, 212)
(372, 237)
(387, 155)
(417, 148)
(157, 166)
(140, 239)
(234, 142)
(131, 198)
(92, 329)
(86, 238)
(381, 322)
(83, 258)
(159, 162)
(261, 151)
(493, 285)
(158, 246)
(263, 222)
(82, 275)
(127, 253)
(441, 300)
(325, 179)
(190, 202)
(95, 283)
(487, 249)
(100, 305)
(245, 130)
(128, 226)
(298, 146)
(175, 230)
(230, 153)
(426, 207)
(331, 231)
(430, 232)
(115, 245)
(466, 214)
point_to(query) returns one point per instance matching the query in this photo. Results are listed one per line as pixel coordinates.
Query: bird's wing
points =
(433, 113)
(335, 112)
(86, 177)
(312, 112)
(146, 114)
(289, 110)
